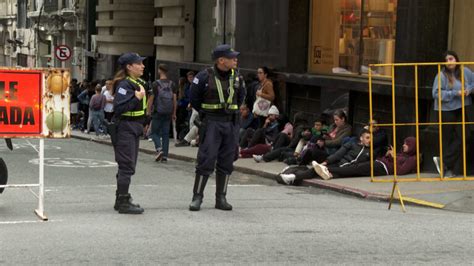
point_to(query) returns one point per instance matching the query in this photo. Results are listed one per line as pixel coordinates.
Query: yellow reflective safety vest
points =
(215, 100)
(136, 113)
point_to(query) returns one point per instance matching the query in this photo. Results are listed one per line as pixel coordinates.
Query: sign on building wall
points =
(324, 36)
(34, 103)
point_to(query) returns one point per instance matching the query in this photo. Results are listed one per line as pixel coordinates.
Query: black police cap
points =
(130, 58)
(224, 50)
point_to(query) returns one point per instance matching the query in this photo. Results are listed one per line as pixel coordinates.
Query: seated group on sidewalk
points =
(294, 142)
(353, 160)
(321, 151)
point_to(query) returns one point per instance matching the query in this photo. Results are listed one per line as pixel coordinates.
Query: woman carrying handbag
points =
(264, 95)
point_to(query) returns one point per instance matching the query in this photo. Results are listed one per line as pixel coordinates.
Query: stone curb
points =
(346, 190)
(312, 183)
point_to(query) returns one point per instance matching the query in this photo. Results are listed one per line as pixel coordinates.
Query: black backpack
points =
(163, 103)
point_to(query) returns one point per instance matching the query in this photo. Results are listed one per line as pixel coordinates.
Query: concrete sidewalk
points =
(449, 195)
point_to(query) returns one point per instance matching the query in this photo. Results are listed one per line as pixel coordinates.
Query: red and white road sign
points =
(20, 103)
(62, 52)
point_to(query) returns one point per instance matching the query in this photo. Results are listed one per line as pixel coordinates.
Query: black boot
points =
(116, 205)
(126, 206)
(198, 192)
(221, 191)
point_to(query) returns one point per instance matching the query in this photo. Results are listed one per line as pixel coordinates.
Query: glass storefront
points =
(348, 35)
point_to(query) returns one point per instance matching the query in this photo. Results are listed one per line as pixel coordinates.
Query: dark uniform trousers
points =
(218, 148)
(126, 151)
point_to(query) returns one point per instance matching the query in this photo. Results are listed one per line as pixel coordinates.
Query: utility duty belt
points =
(132, 118)
(221, 118)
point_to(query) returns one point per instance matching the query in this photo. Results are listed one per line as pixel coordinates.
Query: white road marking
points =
(17, 146)
(56, 188)
(29, 222)
(75, 162)
(238, 185)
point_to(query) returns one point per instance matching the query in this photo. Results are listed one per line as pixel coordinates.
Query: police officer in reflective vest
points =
(216, 93)
(129, 106)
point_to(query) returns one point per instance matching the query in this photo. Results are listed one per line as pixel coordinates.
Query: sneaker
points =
(164, 160)
(288, 178)
(194, 143)
(449, 174)
(159, 156)
(314, 163)
(150, 139)
(436, 161)
(86, 132)
(182, 144)
(257, 158)
(321, 170)
(284, 169)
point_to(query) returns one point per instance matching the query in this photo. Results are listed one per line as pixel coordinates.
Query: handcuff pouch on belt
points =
(112, 130)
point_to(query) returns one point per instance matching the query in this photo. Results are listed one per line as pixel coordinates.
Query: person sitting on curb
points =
(379, 138)
(265, 134)
(406, 164)
(247, 120)
(331, 141)
(192, 138)
(348, 155)
(287, 154)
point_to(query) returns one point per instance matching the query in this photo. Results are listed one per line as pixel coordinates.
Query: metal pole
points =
(417, 126)
(40, 210)
(371, 127)
(440, 125)
(463, 123)
(394, 127)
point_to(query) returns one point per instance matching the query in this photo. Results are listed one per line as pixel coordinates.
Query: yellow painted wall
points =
(463, 29)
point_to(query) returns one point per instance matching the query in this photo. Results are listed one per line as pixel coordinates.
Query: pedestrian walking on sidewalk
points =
(130, 107)
(216, 93)
(96, 106)
(162, 108)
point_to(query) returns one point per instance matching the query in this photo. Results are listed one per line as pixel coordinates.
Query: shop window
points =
(22, 60)
(50, 5)
(348, 35)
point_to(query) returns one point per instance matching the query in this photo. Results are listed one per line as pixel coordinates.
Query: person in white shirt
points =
(109, 100)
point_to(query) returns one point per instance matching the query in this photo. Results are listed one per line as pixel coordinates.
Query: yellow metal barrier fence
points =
(396, 179)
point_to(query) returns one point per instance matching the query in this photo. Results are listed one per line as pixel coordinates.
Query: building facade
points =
(319, 49)
(31, 31)
(322, 50)
(17, 46)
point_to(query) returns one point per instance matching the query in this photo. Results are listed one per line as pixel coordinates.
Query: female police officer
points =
(216, 93)
(129, 106)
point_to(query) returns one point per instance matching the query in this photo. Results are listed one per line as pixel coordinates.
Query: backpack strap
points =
(155, 86)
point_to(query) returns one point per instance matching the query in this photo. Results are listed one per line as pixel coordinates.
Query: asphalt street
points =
(270, 224)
